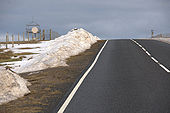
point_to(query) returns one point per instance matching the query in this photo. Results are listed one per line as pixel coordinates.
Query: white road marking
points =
(154, 59)
(67, 101)
(139, 45)
(148, 53)
(144, 49)
(162, 66)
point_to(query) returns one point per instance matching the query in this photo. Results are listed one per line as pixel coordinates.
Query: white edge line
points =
(144, 49)
(67, 101)
(148, 53)
(154, 59)
(162, 66)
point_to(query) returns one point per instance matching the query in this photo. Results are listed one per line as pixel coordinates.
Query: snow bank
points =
(12, 86)
(58, 50)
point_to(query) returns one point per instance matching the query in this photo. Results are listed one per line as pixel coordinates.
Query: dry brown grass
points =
(49, 85)
(29, 48)
(1, 50)
(7, 56)
(21, 42)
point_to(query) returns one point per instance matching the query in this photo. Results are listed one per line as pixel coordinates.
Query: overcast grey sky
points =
(103, 18)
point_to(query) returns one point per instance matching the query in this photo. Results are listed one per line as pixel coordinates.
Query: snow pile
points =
(12, 86)
(58, 50)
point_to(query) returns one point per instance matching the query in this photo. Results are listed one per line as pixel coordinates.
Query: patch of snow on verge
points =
(166, 40)
(12, 86)
(58, 50)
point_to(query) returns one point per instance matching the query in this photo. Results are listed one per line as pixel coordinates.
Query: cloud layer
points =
(104, 18)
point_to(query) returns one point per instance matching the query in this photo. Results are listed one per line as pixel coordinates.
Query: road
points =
(158, 49)
(126, 80)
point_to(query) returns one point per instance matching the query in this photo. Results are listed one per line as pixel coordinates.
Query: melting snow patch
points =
(51, 54)
(166, 40)
(12, 86)
(57, 51)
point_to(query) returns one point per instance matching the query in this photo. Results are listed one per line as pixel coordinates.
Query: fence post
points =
(32, 36)
(7, 40)
(56, 35)
(12, 40)
(152, 33)
(18, 38)
(43, 34)
(161, 35)
(40, 35)
(28, 36)
(23, 36)
(50, 34)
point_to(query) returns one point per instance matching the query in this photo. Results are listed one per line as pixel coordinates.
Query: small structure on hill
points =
(34, 29)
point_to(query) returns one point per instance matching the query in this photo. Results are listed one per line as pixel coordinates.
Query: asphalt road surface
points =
(126, 80)
(159, 50)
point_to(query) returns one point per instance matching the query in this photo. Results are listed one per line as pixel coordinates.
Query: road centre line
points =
(156, 61)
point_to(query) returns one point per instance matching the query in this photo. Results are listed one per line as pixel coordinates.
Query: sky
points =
(107, 19)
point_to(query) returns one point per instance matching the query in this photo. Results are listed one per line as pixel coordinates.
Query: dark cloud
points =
(104, 18)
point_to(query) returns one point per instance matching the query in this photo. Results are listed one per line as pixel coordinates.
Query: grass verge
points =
(21, 42)
(49, 85)
(29, 48)
(7, 56)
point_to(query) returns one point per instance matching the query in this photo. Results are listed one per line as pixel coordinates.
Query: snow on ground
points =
(52, 53)
(166, 40)
(35, 48)
(12, 86)
(58, 50)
